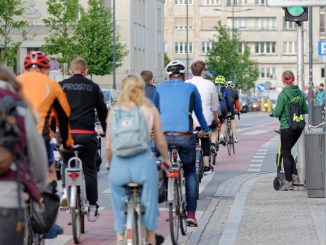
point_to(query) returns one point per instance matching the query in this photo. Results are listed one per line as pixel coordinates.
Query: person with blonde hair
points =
(140, 168)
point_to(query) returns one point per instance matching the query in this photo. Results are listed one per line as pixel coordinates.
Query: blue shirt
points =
(176, 100)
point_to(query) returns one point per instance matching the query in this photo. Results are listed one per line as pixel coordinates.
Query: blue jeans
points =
(8, 221)
(187, 152)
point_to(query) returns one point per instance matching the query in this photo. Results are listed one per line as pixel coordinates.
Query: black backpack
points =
(296, 118)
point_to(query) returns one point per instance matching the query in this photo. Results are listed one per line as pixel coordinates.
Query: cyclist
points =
(225, 104)
(176, 101)
(84, 97)
(150, 88)
(46, 97)
(28, 141)
(140, 168)
(235, 104)
(210, 104)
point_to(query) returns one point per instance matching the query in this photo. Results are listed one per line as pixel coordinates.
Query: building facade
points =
(139, 25)
(272, 41)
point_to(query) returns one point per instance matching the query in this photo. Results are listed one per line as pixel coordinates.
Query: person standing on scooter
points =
(290, 130)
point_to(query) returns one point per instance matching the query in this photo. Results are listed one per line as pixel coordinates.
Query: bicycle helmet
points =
(36, 59)
(175, 66)
(230, 84)
(219, 80)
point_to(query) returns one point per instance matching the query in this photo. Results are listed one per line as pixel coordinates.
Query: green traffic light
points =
(295, 11)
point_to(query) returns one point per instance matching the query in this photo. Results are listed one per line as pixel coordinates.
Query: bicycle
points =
(133, 211)
(199, 159)
(76, 193)
(176, 196)
(229, 139)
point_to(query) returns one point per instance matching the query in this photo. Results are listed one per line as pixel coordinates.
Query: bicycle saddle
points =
(78, 147)
(133, 185)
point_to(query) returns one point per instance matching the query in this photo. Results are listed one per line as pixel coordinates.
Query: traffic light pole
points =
(300, 83)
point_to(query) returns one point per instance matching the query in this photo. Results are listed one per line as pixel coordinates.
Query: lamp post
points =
(113, 45)
(232, 30)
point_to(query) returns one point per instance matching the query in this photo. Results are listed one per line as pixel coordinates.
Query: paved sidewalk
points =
(260, 215)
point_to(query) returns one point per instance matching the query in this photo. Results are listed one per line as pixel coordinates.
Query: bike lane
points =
(102, 231)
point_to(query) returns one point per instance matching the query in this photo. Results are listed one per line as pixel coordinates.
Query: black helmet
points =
(175, 66)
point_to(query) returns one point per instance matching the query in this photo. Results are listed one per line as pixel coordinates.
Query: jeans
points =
(88, 157)
(288, 139)
(8, 221)
(187, 151)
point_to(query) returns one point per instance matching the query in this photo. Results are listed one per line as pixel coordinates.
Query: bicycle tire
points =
(76, 220)
(228, 143)
(82, 217)
(174, 209)
(182, 213)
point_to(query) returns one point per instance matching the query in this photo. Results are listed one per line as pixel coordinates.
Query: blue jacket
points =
(150, 90)
(176, 100)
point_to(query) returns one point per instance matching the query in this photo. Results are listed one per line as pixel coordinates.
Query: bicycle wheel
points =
(228, 141)
(232, 141)
(182, 213)
(76, 218)
(174, 209)
(82, 217)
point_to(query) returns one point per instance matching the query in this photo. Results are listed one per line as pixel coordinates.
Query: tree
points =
(93, 34)
(9, 11)
(166, 59)
(62, 20)
(225, 59)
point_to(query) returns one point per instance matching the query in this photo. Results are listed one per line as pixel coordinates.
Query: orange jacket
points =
(46, 95)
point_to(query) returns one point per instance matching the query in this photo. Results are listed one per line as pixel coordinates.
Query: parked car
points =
(244, 103)
(255, 105)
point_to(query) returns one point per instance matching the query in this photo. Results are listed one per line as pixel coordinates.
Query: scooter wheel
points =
(277, 183)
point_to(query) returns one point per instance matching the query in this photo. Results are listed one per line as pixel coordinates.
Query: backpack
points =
(13, 146)
(320, 97)
(296, 118)
(222, 102)
(128, 132)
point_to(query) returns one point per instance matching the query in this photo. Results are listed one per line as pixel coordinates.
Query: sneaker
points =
(222, 138)
(58, 229)
(287, 186)
(64, 199)
(92, 213)
(213, 150)
(159, 239)
(236, 140)
(51, 234)
(191, 219)
(207, 168)
(295, 179)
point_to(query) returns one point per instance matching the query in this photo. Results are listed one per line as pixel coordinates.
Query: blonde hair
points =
(132, 92)
(78, 65)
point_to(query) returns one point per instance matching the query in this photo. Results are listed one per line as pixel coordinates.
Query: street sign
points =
(321, 48)
(261, 87)
(286, 3)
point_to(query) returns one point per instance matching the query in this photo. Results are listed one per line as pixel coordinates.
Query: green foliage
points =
(93, 34)
(62, 20)
(9, 10)
(225, 59)
(166, 59)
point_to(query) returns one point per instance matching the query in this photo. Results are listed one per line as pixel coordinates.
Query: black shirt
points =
(84, 96)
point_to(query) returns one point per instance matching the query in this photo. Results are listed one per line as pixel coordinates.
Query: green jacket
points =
(281, 109)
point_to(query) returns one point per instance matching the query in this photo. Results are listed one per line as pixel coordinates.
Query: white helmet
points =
(175, 66)
(230, 84)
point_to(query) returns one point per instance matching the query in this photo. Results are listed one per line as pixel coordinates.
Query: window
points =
(241, 2)
(206, 47)
(260, 2)
(209, 23)
(265, 23)
(181, 2)
(181, 23)
(242, 47)
(265, 47)
(181, 48)
(267, 72)
(210, 2)
(322, 28)
(289, 25)
(290, 47)
(238, 23)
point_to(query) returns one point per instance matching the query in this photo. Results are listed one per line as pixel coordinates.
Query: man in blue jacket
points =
(176, 100)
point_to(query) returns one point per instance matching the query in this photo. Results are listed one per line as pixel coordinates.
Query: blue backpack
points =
(128, 132)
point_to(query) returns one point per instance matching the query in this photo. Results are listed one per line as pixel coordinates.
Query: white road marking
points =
(257, 160)
(256, 156)
(256, 132)
(253, 169)
(255, 165)
(262, 149)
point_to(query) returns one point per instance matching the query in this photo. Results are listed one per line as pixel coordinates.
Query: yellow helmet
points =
(219, 80)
